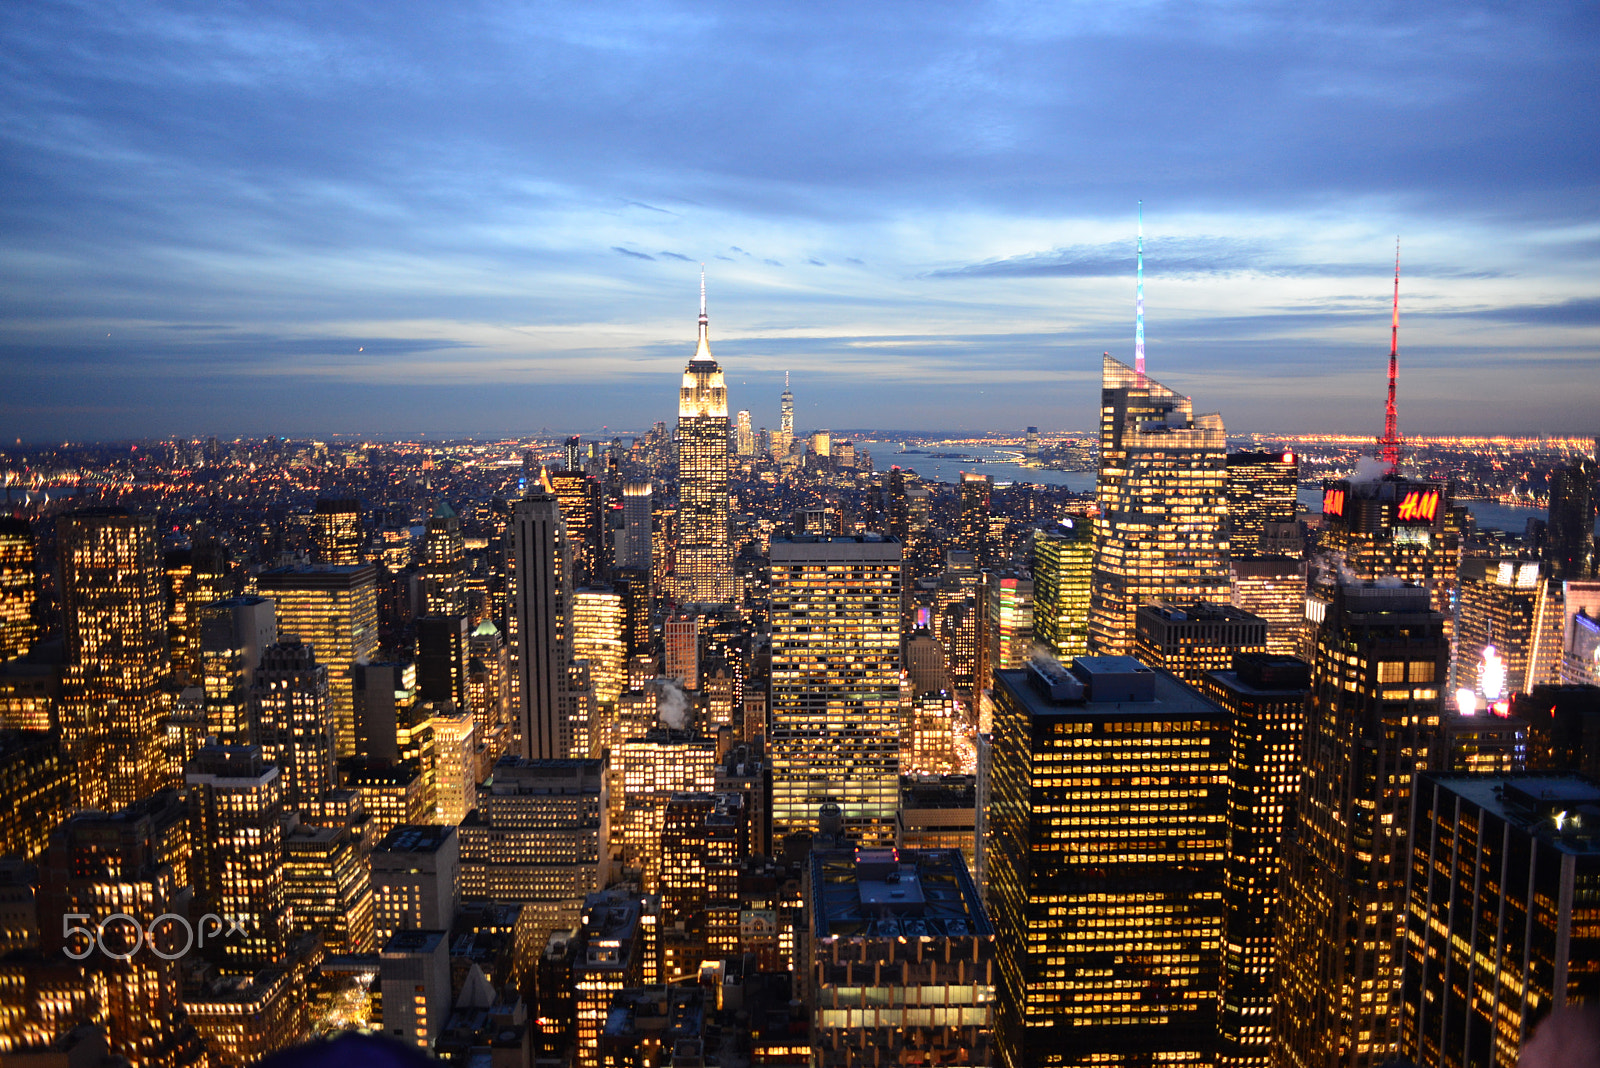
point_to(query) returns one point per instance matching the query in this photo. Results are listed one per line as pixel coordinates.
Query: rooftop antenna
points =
(1389, 444)
(703, 320)
(1138, 315)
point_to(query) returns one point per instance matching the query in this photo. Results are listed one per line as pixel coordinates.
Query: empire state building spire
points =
(703, 348)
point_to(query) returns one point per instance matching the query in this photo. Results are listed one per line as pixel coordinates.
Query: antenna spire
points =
(703, 320)
(1138, 315)
(1389, 444)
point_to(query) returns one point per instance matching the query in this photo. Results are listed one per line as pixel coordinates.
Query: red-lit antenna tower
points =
(1389, 444)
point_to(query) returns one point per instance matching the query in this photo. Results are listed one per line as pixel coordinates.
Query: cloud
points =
(630, 252)
(1580, 311)
(676, 256)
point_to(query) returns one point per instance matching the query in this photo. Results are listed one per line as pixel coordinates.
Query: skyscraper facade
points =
(1573, 498)
(336, 532)
(703, 571)
(1162, 494)
(1105, 844)
(1063, 559)
(1381, 658)
(333, 609)
(636, 520)
(289, 706)
(1261, 490)
(1264, 696)
(540, 640)
(114, 609)
(443, 561)
(835, 697)
(783, 440)
(18, 587)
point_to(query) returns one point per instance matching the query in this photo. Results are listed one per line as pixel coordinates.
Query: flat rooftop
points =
(1168, 697)
(889, 893)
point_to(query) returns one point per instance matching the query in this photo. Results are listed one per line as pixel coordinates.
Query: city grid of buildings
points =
(724, 745)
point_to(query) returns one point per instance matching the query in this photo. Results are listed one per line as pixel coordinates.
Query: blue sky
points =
(396, 218)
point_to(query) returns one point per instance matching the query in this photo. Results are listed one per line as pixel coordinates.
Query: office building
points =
(1262, 490)
(744, 436)
(414, 976)
(1030, 445)
(581, 498)
(1264, 697)
(1193, 640)
(233, 635)
(328, 887)
(1381, 659)
(609, 958)
(114, 611)
(236, 824)
(37, 792)
(1569, 545)
(598, 636)
(333, 609)
(18, 587)
(1163, 504)
(653, 768)
(783, 439)
(680, 642)
(834, 720)
(459, 761)
(336, 532)
(416, 879)
(444, 554)
(540, 639)
(1505, 875)
(1494, 626)
(1273, 588)
(1105, 849)
(1008, 627)
(909, 925)
(1393, 527)
(541, 835)
(939, 812)
(443, 655)
(289, 702)
(1062, 560)
(489, 686)
(637, 519)
(391, 793)
(99, 865)
(703, 570)
(928, 734)
(393, 726)
(1557, 606)
(972, 530)
(1482, 742)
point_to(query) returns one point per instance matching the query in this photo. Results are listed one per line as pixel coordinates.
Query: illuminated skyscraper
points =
(233, 635)
(977, 495)
(443, 561)
(783, 440)
(1105, 852)
(745, 437)
(1393, 527)
(1381, 659)
(654, 768)
(236, 823)
(335, 611)
(36, 792)
(443, 650)
(1063, 559)
(835, 704)
(636, 519)
(394, 725)
(540, 639)
(1261, 490)
(116, 637)
(540, 835)
(581, 500)
(703, 573)
(1193, 640)
(416, 879)
(289, 707)
(18, 587)
(1265, 699)
(598, 630)
(1494, 626)
(195, 577)
(99, 866)
(1008, 625)
(1163, 503)
(328, 887)
(1274, 588)
(1504, 876)
(336, 532)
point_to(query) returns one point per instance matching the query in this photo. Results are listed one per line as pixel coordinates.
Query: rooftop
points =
(889, 893)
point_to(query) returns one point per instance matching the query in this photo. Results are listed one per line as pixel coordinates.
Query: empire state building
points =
(704, 570)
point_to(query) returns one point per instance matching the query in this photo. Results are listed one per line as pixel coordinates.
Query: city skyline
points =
(488, 222)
